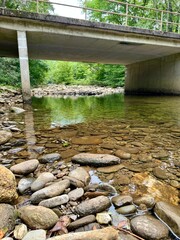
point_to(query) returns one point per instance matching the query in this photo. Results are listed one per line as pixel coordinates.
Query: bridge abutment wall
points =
(157, 76)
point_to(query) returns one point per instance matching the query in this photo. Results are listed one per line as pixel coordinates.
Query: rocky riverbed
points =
(86, 181)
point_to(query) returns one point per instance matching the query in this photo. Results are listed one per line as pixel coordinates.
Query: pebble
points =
(25, 167)
(76, 194)
(81, 222)
(42, 180)
(119, 200)
(25, 184)
(20, 231)
(50, 158)
(55, 201)
(126, 209)
(103, 218)
(35, 235)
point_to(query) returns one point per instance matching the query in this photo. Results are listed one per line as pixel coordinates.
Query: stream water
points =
(146, 127)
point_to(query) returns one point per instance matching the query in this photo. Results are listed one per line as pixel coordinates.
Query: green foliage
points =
(10, 72)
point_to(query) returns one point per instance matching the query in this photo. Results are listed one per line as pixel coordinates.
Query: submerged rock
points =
(170, 214)
(122, 200)
(95, 159)
(38, 217)
(87, 140)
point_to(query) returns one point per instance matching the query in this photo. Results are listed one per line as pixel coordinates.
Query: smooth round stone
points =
(20, 231)
(76, 194)
(80, 174)
(35, 235)
(5, 136)
(126, 209)
(122, 154)
(149, 227)
(25, 184)
(25, 167)
(119, 201)
(42, 180)
(37, 217)
(148, 200)
(54, 202)
(7, 216)
(81, 222)
(160, 173)
(50, 158)
(94, 205)
(103, 218)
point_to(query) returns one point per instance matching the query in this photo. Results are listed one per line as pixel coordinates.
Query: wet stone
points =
(160, 173)
(50, 158)
(148, 200)
(125, 210)
(122, 154)
(110, 169)
(87, 140)
(95, 159)
(119, 200)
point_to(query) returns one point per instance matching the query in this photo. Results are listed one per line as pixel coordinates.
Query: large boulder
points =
(149, 227)
(38, 217)
(95, 159)
(5, 136)
(170, 214)
(7, 186)
(7, 217)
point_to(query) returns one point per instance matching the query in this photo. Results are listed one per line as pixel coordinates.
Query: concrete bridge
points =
(152, 57)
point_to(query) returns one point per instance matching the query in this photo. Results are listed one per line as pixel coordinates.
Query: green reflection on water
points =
(71, 110)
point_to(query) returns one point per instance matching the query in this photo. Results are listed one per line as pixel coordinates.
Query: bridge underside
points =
(152, 58)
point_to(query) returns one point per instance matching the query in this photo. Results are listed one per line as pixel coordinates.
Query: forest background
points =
(59, 72)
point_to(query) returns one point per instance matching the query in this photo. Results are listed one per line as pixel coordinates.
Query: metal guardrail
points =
(162, 20)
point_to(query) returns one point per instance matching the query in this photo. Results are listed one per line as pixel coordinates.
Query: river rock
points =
(55, 201)
(81, 222)
(26, 167)
(51, 191)
(103, 218)
(7, 217)
(108, 233)
(5, 136)
(35, 235)
(122, 154)
(110, 169)
(160, 173)
(119, 201)
(170, 214)
(149, 227)
(126, 236)
(20, 231)
(50, 158)
(90, 140)
(80, 174)
(94, 205)
(38, 217)
(126, 209)
(17, 110)
(95, 159)
(41, 181)
(76, 194)
(25, 184)
(148, 200)
(7, 186)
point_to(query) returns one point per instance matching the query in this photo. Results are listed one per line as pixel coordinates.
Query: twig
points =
(130, 233)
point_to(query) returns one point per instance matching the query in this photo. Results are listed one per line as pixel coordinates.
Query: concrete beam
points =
(158, 76)
(24, 65)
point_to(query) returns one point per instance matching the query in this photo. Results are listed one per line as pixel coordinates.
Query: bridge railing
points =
(122, 13)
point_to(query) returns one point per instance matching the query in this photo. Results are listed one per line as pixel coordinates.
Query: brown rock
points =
(122, 154)
(81, 222)
(7, 186)
(5, 136)
(87, 140)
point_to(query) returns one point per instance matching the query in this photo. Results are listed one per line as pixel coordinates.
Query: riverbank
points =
(102, 180)
(74, 90)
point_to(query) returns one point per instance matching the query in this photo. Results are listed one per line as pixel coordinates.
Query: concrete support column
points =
(24, 65)
(157, 76)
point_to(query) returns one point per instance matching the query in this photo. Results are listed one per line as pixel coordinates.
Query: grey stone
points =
(149, 227)
(148, 200)
(17, 110)
(7, 217)
(170, 214)
(103, 218)
(55, 201)
(25, 167)
(50, 158)
(35, 235)
(25, 184)
(38, 217)
(126, 209)
(95, 159)
(41, 181)
(76, 194)
(81, 222)
(94, 205)
(51, 191)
